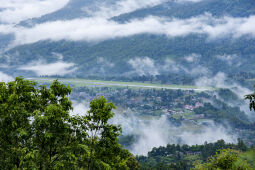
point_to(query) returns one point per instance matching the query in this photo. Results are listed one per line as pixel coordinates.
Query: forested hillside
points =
(115, 56)
(184, 157)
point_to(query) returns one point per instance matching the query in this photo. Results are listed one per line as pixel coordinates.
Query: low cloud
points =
(192, 58)
(187, 1)
(192, 70)
(109, 10)
(160, 132)
(58, 56)
(103, 66)
(220, 80)
(14, 11)
(148, 66)
(80, 108)
(171, 66)
(144, 66)
(44, 68)
(229, 59)
(5, 78)
(98, 29)
(198, 71)
(6, 29)
(150, 134)
(209, 134)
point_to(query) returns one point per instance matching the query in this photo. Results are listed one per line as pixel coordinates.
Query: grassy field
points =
(86, 82)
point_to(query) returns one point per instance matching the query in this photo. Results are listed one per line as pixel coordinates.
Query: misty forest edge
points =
(38, 132)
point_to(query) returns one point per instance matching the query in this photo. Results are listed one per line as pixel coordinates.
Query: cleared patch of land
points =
(86, 82)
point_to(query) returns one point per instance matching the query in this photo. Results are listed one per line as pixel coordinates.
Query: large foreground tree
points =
(38, 132)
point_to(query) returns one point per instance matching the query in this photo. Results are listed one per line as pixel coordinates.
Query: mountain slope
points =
(226, 52)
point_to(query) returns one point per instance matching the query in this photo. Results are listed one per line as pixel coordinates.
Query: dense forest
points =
(184, 156)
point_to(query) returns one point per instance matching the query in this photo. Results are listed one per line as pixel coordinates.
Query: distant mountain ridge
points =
(90, 58)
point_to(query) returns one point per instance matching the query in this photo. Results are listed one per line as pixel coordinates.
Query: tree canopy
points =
(38, 132)
(251, 98)
(224, 159)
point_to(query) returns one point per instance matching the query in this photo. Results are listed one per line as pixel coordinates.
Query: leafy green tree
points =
(223, 160)
(251, 97)
(18, 101)
(103, 141)
(38, 132)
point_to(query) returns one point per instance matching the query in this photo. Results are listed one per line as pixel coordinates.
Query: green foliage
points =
(38, 132)
(103, 141)
(248, 156)
(251, 97)
(183, 156)
(225, 159)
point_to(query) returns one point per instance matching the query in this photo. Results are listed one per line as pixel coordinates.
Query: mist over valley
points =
(177, 71)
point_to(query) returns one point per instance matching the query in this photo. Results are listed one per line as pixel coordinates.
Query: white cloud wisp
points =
(43, 68)
(5, 78)
(99, 29)
(15, 11)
